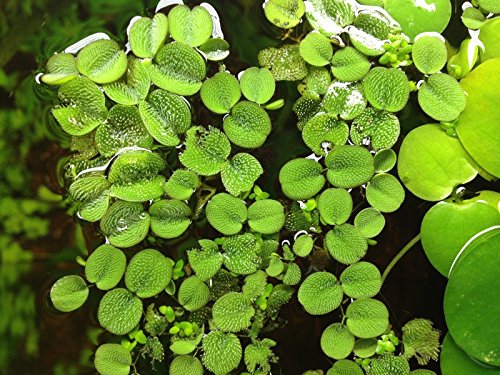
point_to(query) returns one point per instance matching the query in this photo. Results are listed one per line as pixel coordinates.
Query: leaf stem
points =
(401, 254)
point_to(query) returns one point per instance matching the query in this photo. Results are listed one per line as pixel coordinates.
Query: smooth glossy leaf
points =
(103, 61)
(119, 311)
(320, 293)
(169, 218)
(105, 267)
(69, 293)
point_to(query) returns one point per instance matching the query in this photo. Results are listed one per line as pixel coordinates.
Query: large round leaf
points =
(148, 273)
(320, 293)
(105, 267)
(447, 226)
(102, 61)
(119, 311)
(301, 178)
(226, 213)
(232, 312)
(69, 293)
(431, 163)
(471, 304)
(169, 218)
(477, 125)
(112, 359)
(367, 318)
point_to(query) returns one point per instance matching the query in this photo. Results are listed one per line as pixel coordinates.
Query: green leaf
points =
(165, 115)
(148, 273)
(259, 355)
(69, 293)
(380, 128)
(336, 341)
(103, 61)
(92, 195)
(182, 184)
(221, 92)
(385, 193)
(190, 26)
(215, 49)
(275, 267)
(476, 125)
(292, 275)
(240, 254)
(193, 293)
(185, 345)
(306, 107)
(169, 218)
(248, 125)
(205, 262)
(301, 179)
(284, 13)
(61, 68)
(185, 365)
(472, 18)
(112, 359)
(415, 18)
(367, 318)
(83, 106)
(119, 311)
(345, 367)
(148, 35)
(180, 69)
(226, 213)
(471, 296)
(316, 82)
(125, 224)
(488, 36)
(384, 160)
(206, 150)
(348, 64)
(389, 364)
(365, 348)
(320, 293)
(255, 284)
(361, 280)
(431, 163)
(324, 128)
(232, 312)
(429, 53)
(346, 244)
(105, 267)
(134, 86)
(303, 245)
(442, 97)
(345, 99)
(316, 49)
(349, 166)
(330, 16)
(490, 6)
(370, 32)
(257, 85)
(335, 206)
(448, 226)
(386, 88)
(266, 216)
(369, 222)
(285, 63)
(421, 341)
(240, 173)
(123, 128)
(217, 342)
(279, 296)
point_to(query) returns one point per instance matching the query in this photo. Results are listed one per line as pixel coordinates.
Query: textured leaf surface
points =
(429, 54)
(369, 222)
(320, 293)
(125, 224)
(345, 99)
(285, 63)
(102, 61)
(182, 184)
(384, 160)
(134, 86)
(255, 284)
(284, 13)
(367, 318)
(379, 128)
(240, 173)
(365, 348)
(257, 85)
(105, 267)
(336, 341)
(148, 35)
(348, 64)
(389, 364)
(386, 88)
(240, 254)
(61, 68)
(345, 367)
(215, 49)
(226, 213)
(205, 262)
(301, 178)
(324, 128)
(119, 311)
(370, 31)
(266, 216)
(385, 193)
(169, 218)
(316, 82)
(335, 206)
(190, 26)
(193, 293)
(220, 92)
(69, 293)
(349, 166)
(232, 312)
(248, 125)
(303, 245)
(330, 16)
(92, 193)
(112, 359)
(346, 244)
(217, 342)
(316, 49)
(185, 365)
(292, 275)
(361, 280)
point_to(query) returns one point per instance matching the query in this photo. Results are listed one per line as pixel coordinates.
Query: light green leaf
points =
(148, 35)
(276, 266)
(370, 31)
(221, 92)
(316, 82)
(349, 166)
(365, 348)
(336, 341)
(92, 195)
(180, 69)
(232, 312)
(257, 85)
(266, 216)
(193, 293)
(421, 340)
(361, 280)
(280, 296)
(240, 173)
(369, 222)
(112, 359)
(215, 49)
(345, 99)
(389, 364)
(207, 261)
(442, 97)
(429, 53)
(119, 311)
(335, 206)
(185, 345)
(217, 342)
(169, 218)
(320, 293)
(301, 178)
(306, 107)
(303, 245)
(379, 128)
(182, 184)
(165, 115)
(125, 224)
(255, 284)
(206, 150)
(258, 354)
(240, 254)
(69, 293)
(330, 16)
(386, 88)
(367, 318)
(384, 160)
(472, 18)
(385, 193)
(292, 275)
(345, 367)
(284, 13)
(316, 49)
(103, 61)
(185, 365)
(346, 244)
(226, 213)
(248, 125)
(190, 26)
(348, 64)
(324, 128)
(105, 267)
(134, 86)
(61, 68)
(285, 63)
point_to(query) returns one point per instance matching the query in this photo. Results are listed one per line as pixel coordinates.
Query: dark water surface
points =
(65, 340)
